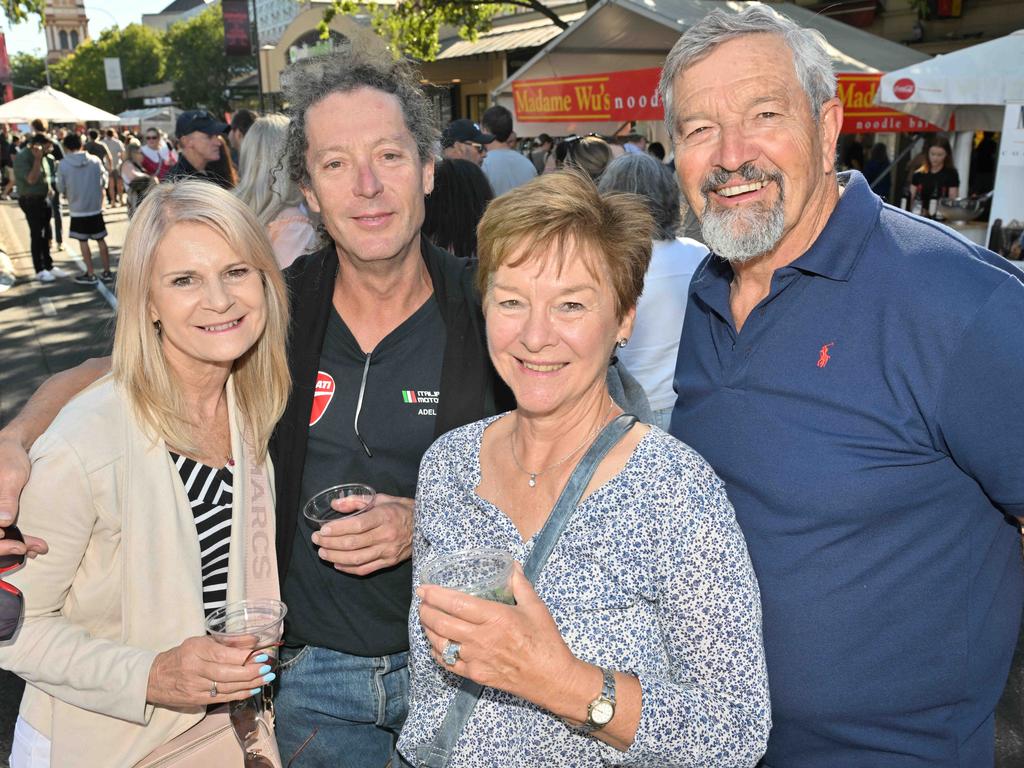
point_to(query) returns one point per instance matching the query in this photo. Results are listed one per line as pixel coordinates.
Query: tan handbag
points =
(212, 743)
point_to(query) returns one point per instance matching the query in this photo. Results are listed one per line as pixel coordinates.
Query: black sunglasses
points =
(12, 603)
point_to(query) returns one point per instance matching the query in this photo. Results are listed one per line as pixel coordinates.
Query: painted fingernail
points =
(261, 658)
(269, 678)
(254, 691)
(264, 669)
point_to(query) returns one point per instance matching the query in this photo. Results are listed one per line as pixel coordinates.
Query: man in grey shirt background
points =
(505, 168)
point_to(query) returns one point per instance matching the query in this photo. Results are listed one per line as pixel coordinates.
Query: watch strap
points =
(607, 694)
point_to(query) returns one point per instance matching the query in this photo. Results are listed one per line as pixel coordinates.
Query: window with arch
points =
(63, 40)
(74, 39)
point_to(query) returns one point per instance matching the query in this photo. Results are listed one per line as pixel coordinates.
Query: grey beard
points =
(739, 235)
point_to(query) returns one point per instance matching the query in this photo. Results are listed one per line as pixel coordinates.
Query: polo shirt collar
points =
(838, 248)
(833, 255)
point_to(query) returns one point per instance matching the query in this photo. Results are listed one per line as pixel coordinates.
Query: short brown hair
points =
(566, 209)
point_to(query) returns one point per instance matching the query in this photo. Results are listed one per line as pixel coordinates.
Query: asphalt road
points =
(44, 328)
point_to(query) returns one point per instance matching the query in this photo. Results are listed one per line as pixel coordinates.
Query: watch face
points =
(602, 712)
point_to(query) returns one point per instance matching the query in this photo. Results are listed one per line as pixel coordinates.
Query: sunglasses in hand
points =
(12, 603)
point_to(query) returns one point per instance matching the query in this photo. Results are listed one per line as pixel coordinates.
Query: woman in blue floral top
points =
(640, 644)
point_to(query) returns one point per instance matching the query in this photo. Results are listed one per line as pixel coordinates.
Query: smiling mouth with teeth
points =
(741, 189)
(221, 327)
(542, 368)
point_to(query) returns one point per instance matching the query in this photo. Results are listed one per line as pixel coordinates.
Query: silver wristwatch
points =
(602, 709)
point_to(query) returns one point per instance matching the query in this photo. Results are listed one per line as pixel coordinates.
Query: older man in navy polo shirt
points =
(853, 373)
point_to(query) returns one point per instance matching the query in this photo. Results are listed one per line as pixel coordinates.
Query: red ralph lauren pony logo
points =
(823, 355)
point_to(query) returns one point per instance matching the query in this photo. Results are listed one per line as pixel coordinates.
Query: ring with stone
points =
(450, 653)
(213, 689)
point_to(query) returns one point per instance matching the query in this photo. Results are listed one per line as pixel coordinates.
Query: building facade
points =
(65, 26)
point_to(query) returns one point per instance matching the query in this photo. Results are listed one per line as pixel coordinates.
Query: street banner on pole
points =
(237, 37)
(112, 68)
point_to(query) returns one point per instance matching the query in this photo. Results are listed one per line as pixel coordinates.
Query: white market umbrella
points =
(54, 106)
(970, 86)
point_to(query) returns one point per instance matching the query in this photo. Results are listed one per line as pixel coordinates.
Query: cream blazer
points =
(120, 583)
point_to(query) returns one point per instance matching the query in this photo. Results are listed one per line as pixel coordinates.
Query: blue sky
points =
(28, 37)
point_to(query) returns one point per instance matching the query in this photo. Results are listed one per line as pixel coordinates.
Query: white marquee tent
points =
(970, 86)
(54, 106)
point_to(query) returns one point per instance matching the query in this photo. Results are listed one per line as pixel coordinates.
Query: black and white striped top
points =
(209, 493)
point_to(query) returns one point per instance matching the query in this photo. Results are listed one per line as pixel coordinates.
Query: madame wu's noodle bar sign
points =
(633, 95)
(615, 96)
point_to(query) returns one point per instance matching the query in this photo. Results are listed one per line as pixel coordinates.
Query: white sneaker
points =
(46, 276)
(58, 272)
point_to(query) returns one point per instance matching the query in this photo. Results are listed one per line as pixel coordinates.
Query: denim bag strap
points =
(437, 753)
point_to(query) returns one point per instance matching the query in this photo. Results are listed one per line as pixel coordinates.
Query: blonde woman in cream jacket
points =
(113, 647)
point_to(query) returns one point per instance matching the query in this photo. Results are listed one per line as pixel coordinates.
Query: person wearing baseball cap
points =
(463, 140)
(199, 133)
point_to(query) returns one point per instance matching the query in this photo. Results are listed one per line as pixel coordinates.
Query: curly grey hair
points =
(644, 176)
(308, 82)
(810, 58)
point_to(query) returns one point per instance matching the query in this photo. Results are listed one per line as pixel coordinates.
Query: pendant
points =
(533, 480)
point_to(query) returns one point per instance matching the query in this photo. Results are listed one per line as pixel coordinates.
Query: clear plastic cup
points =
(485, 573)
(256, 625)
(252, 624)
(355, 499)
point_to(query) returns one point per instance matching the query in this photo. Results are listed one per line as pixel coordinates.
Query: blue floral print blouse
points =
(651, 577)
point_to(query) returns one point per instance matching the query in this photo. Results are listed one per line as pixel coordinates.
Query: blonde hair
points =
(566, 209)
(261, 378)
(265, 185)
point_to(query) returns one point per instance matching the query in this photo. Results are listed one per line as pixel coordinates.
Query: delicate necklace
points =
(577, 449)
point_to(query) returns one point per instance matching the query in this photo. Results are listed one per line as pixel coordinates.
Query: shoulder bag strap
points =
(437, 753)
(261, 580)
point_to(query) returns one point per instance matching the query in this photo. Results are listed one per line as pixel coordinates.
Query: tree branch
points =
(535, 5)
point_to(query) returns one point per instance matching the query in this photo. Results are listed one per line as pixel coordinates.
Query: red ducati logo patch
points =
(322, 396)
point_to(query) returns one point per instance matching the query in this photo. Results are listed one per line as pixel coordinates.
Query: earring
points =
(623, 342)
(157, 327)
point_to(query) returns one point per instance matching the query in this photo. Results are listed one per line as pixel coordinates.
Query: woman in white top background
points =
(651, 354)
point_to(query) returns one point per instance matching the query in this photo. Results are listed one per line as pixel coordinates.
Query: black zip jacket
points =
(466, 369)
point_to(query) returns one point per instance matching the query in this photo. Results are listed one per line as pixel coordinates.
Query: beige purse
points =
(212, 743)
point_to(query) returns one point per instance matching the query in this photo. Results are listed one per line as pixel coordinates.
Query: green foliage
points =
(81, 74)
(22, 10)
(412, 27)
(28, 73)
(197, 64)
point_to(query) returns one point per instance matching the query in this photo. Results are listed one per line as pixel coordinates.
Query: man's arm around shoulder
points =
(39, 412)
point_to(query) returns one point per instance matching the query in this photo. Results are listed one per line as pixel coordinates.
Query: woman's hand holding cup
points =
(184, 676)
(516, 648)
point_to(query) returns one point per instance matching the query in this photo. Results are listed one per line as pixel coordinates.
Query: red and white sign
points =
(856, 90)
(633, 95)
(322, 396)
(618, 96)
(903, 88)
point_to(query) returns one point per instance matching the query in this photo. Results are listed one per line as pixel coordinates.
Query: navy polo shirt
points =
(868, 422)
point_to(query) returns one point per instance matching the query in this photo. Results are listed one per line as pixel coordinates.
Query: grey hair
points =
(265, 186)
(644, 176)
(309, 81)
(810, 57)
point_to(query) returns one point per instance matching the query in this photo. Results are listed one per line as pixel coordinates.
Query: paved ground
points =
(44, 328)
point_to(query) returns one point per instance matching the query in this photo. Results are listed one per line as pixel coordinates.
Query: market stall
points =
(616, 38)
(976, 88)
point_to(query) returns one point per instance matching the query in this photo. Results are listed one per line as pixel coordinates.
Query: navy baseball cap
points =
(464, 130)
(198, 120)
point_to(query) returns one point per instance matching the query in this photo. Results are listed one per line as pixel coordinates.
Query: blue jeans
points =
(357, 704)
